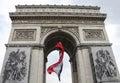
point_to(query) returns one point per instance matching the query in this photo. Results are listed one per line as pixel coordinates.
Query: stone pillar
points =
(74, 71)
(87, 64)
(0, 78)
(37, 65)
(84, 65)
(80, 66)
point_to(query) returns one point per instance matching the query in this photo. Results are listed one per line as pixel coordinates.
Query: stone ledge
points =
(24, 45)
(57, 14)
(58, 6)
(94, 44)
(110, 82)
(33, 16)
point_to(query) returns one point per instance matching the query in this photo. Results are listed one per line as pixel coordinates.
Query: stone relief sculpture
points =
(15, 67)
(45, 30)
(93, 34)
(24, 35)
(105, 66)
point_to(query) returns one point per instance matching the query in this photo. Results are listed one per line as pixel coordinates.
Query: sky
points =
(110, 7)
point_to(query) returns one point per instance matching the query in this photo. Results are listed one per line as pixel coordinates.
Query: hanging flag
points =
(57, 67)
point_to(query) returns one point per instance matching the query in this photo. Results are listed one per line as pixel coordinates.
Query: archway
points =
(66, 76)
(70, 48)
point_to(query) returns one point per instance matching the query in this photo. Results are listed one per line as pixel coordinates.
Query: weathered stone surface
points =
(24, 35)
(16, 65)
(104, 64)
(93, 34)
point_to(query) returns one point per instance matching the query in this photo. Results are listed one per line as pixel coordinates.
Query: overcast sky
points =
(110, 7)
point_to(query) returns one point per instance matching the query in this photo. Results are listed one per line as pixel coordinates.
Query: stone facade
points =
(79, 28)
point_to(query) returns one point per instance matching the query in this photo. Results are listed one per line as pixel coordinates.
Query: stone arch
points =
(69, 42)
(60, 30)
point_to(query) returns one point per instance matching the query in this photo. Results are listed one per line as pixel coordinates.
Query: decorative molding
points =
(24, 45)
(70, 14)
(93, 34)
(93, 44)
(52, 21)
(46, 29)
(49, 10)
(24, 35)
(57, 7)
(74, 30)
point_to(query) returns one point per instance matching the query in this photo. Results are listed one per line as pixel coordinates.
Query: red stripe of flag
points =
(57, 67)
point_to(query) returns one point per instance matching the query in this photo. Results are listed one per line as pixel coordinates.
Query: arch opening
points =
(66, 72)
(69, 44)
(67, 41)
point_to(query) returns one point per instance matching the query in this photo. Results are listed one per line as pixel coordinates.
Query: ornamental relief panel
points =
(93, 34)
(104, 64)
(16, 66)
(24, 35)
(74, 30)
(45, 30)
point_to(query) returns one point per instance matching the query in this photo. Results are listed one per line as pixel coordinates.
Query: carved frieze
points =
(64, 21)
(93, 34)
(49, 10)
(24, 35)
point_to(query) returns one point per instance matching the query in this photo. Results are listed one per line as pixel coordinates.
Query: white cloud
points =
(3, 40)
(113, 31)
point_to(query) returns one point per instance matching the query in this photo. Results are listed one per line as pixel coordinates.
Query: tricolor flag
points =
(57, 67)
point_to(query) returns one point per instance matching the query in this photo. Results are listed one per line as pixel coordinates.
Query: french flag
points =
(57, 67)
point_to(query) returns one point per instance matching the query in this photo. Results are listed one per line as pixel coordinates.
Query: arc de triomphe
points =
(37, 28)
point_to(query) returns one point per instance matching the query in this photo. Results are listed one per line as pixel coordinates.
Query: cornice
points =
(58, 15)
(58, 6)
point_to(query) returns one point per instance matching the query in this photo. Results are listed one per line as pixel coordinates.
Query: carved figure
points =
(15, 68)
(105, 66)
